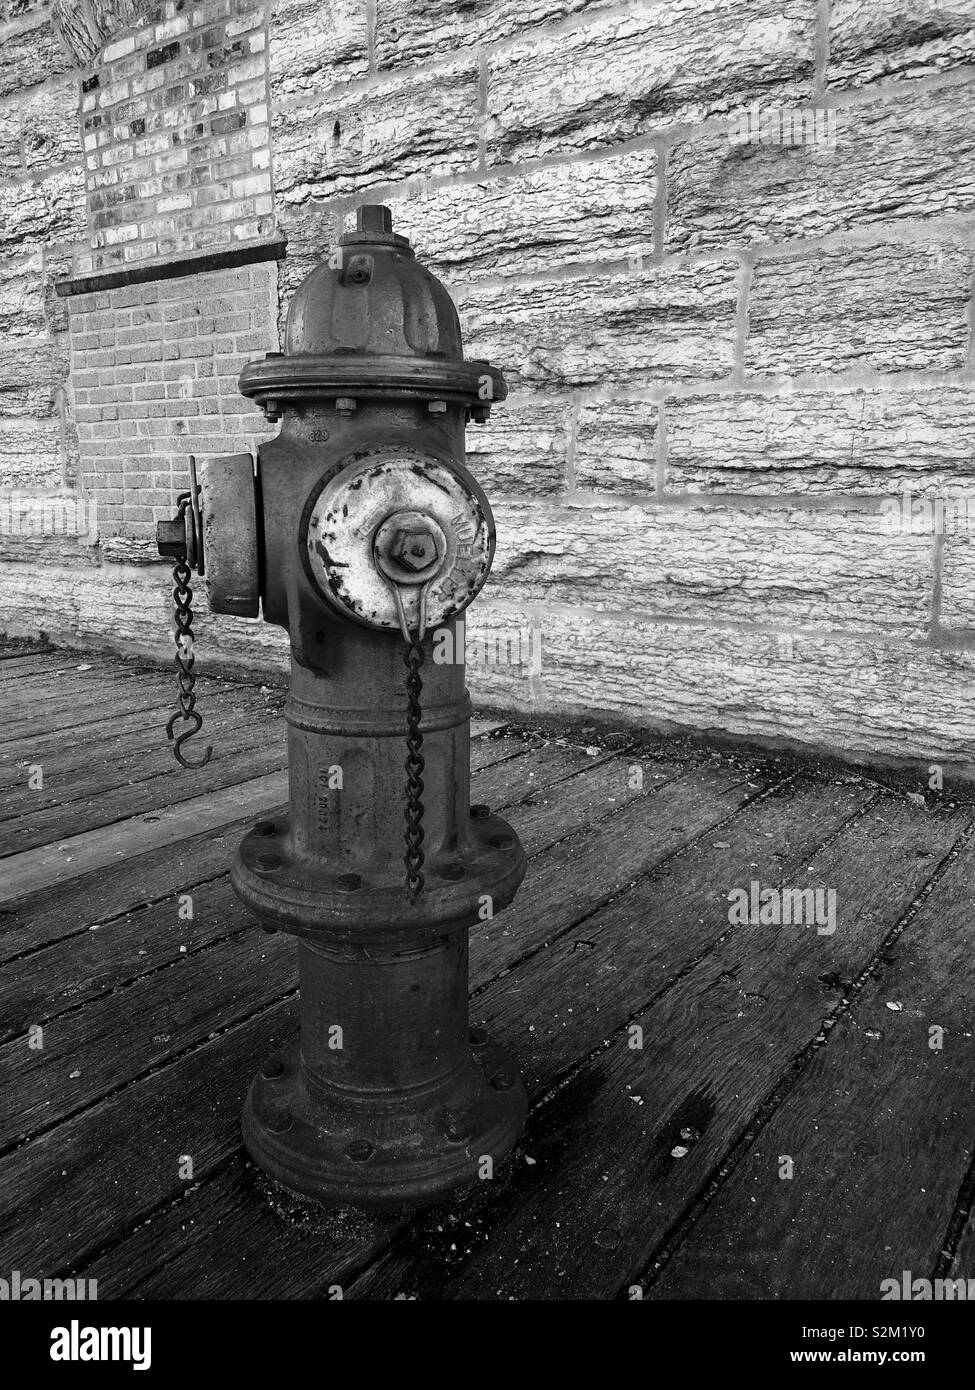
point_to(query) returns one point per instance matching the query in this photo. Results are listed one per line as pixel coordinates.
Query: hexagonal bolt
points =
(374, 217)
(345, 403)
(415, 550)
(437, 407)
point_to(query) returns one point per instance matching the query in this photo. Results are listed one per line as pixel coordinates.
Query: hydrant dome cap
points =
(370, 322)
(372, 297)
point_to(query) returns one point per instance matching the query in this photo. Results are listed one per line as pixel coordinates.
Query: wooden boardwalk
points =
(765, 1049)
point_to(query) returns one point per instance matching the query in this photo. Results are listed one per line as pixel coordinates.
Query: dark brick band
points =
(195, 263)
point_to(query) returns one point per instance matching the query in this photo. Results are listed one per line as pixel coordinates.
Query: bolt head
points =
(415, 550)
(374, 217)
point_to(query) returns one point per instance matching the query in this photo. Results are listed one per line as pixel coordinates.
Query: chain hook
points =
(196, 718)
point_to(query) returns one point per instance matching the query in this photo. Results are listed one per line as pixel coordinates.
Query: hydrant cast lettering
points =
(360, 531)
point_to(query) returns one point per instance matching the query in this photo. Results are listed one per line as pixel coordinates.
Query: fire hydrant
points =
(360, 531)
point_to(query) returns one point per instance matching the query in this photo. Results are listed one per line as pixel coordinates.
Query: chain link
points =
(185, 659)
(413, 657)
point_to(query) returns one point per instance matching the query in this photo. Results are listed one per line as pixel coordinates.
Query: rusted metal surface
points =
(364, 535)
(228, 502)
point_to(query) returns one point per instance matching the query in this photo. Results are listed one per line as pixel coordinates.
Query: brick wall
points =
(726, 354)
(175, 134)
(154, 372)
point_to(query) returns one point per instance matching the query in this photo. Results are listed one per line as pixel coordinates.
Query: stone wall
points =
(724, 251)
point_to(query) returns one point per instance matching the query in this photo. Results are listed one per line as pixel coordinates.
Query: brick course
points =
(174, 125)
(154, 378)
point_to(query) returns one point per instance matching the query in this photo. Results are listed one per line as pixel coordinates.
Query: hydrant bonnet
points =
(371, 321)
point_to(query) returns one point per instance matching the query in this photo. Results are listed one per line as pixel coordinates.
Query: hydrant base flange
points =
(338, 1155)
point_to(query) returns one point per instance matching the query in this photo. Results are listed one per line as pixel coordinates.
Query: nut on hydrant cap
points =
(374, 217)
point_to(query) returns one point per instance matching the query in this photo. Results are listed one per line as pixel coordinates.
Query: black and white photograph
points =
(487, 671)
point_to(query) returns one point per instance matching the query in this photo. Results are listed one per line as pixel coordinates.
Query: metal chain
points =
(413, 657)
(185, 659)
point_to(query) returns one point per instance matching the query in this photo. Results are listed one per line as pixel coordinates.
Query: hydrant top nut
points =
(415, 549)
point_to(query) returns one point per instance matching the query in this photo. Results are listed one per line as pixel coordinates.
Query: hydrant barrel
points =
(368, 540)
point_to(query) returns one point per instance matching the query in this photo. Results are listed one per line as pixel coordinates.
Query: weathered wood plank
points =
(43, 915)
(137, 1058)
(567, 1000)
(64, 1195)
(104, 727)
(879, 1130)
(90, 1052)
(17, 665)
(71, 769)
(625, 1143)
(580, 873)
(706, 800)
(962, 1265)
(95, 849)
(549, 765)
(794, 827)
(105, 954)
(492, 749)
(280, 1248)
(20, 732)
(37, 704)
(168, 785)
(157, 875)
(501, 956)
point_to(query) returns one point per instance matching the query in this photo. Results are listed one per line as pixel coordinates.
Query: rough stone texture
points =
(85, 26)
(888, 308)
(31, 454)
(403, 127)
(30, 53)
(22, 297)
(787, 566)
(957, 607)
(867, 441)
(35, 446)
(49, 210)
(860, 696)
(31, 370)
(522, 450)
(667, 322)
(312, 231)
(409, 33)
(130, 607)
(572, 214)
(616, 444)
(870, 40)
(154, 378)
(621, 76)
(907, 155)
(307, 38)
(11, 159)
(50, 132)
